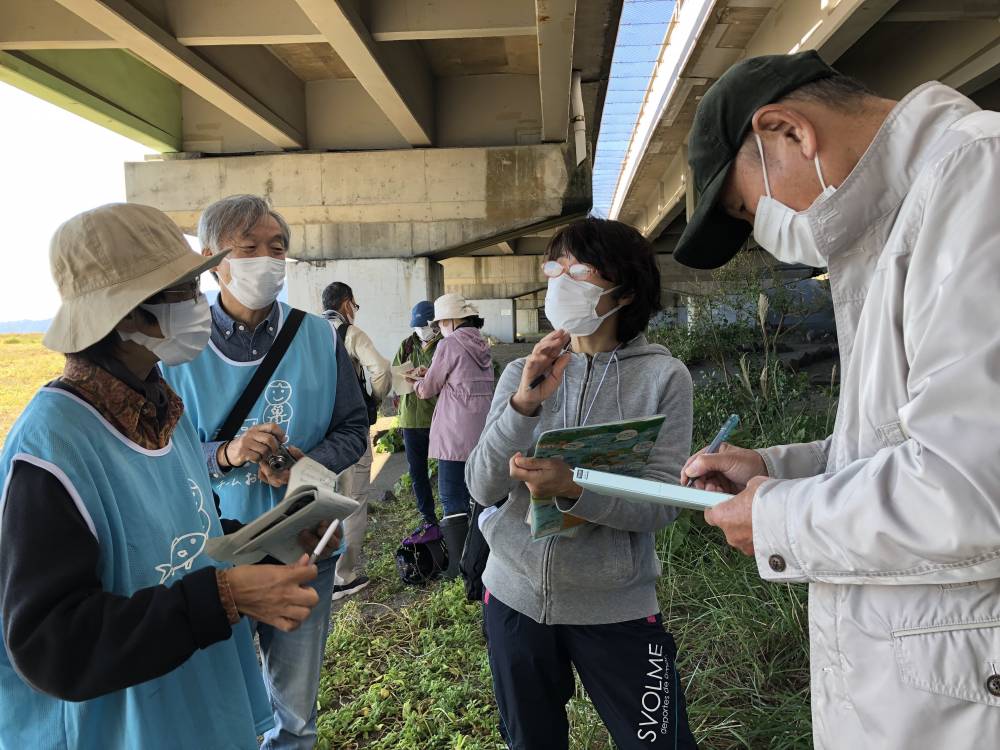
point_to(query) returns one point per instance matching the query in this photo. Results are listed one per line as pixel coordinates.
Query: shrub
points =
(391, 441)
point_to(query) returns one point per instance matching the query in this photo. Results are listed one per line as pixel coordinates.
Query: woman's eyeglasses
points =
(578, 271)
(181, 293)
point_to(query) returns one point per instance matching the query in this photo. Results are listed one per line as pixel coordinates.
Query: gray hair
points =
(837, 91)
(233, 217)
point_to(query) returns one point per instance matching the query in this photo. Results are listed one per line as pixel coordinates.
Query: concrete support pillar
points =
(386, 289)
(527, 321)
(499, 317)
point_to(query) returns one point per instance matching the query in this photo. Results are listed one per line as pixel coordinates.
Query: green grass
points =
(25, 365)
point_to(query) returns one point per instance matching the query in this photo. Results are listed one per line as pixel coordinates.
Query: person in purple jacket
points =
(461, 376)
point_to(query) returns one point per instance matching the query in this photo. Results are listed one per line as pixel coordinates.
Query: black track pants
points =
(627, 669)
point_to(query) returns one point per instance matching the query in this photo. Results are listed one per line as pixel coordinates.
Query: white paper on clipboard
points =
(646, 490)
(400, 385)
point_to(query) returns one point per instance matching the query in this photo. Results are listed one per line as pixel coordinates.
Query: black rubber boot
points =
(454, 528)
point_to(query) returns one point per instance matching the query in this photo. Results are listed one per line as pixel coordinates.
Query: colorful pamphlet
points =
(622, 447)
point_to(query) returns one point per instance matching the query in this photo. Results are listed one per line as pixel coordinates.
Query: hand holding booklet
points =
(310, 498)
(623, 447)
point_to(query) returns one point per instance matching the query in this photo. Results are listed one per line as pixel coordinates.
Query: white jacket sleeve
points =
(363, 351)
(797, 460)
(927, 510)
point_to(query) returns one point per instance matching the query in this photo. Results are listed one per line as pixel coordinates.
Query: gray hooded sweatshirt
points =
(607, 572)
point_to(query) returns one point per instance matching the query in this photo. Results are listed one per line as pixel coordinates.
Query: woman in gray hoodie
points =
(588, 600)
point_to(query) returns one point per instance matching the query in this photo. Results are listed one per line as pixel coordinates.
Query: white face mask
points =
(186, 327)
(572, 305)
(446, 327)
(425, 333)
(784, 232)
(255, 282)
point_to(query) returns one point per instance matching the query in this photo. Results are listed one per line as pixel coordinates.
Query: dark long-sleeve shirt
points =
(65, 635)
(347, 436)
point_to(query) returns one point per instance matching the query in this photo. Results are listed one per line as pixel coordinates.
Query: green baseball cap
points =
(712, 237)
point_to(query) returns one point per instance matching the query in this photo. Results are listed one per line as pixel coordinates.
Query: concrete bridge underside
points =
(393, 135)
(891, 45)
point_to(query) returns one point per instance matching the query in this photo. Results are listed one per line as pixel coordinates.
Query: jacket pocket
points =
(957, 659)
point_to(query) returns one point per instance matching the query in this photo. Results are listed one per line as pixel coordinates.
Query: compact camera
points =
(281, 459)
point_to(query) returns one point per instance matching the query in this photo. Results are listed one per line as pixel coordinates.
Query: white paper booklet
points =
(400, 385)
(311, 497)
(646, 490)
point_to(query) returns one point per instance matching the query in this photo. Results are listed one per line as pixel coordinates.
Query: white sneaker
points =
(349, 589)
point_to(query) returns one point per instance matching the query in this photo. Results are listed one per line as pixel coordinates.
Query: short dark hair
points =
(335, 294)
(621, 255)
(473, 321)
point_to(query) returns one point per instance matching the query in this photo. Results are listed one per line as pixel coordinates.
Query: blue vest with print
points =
(299, 398)
(151, 512)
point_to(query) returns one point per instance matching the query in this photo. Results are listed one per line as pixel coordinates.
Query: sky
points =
(53, 164)
(641, 31)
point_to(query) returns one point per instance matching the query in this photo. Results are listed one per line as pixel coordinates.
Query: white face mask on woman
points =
(186, 327)
(784, 232)
(255, 282)
(572, 305)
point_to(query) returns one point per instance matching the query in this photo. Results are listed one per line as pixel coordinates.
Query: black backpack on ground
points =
(370, 403)
(421, 557)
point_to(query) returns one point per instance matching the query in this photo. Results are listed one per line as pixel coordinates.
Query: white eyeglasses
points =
(578, 271)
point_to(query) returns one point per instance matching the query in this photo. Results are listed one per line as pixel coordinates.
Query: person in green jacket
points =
(415, 414)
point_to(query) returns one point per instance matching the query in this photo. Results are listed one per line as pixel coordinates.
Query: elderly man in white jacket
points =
(894, 520)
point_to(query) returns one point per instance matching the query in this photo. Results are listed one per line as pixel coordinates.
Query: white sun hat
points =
(452, 306)
(107, 261)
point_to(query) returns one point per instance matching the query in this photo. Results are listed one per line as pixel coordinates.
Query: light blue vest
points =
(299, 398)
(151, 512)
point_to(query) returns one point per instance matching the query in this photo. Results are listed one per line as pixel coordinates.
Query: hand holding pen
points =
(690, 471)
(542, 373)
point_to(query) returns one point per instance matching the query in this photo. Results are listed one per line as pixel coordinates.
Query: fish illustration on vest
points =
(186, 548)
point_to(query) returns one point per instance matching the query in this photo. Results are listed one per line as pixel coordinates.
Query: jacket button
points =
(993, 685)
(777, 563)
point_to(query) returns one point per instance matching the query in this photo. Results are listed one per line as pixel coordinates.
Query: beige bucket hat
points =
(106, 261)
(452, 306)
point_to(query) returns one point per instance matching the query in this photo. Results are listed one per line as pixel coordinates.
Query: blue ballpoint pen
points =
(724, 433)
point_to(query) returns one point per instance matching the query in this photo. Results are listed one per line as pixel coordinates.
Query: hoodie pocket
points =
(960, 659)
(624, 556)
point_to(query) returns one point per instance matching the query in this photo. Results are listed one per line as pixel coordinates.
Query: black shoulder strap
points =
(261, 376)
(342, 332)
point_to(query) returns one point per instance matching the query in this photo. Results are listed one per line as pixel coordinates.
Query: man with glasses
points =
(312, 405)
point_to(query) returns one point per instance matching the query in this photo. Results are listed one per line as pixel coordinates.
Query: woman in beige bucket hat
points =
(118, 630)
(461, 377)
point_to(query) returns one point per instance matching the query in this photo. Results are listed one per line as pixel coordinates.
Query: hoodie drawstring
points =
(612, 358)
